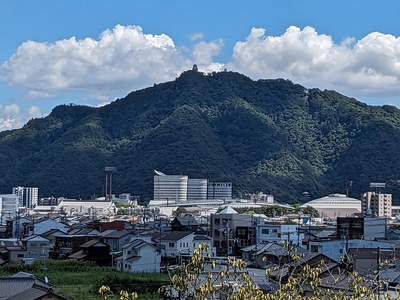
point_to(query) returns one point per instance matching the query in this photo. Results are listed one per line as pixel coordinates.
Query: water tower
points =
(108, 188)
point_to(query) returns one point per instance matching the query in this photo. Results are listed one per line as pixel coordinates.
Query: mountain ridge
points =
(268, 135)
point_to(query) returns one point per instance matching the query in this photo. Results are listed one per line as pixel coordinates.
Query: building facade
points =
(197, 189)
(170, 187)
(219, 190)
(279, 233)
(28, 196)
(361, 228)
(180, 188)
(231, 231)
(377, 204)
(9, 206)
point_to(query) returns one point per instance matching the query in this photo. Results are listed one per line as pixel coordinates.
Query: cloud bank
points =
(125, 58)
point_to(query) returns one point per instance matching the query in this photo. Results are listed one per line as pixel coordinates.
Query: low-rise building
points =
(139, 256)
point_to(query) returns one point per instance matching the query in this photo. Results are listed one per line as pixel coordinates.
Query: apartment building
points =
(231, 231)
(28, 196)
(377, 204)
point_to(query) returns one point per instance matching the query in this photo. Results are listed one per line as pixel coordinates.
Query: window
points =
(216, 221)
(34, 244)
(20, 255)
(216, 244)
(314, 248)
(265, 231)
(171, 245)
(274, 230)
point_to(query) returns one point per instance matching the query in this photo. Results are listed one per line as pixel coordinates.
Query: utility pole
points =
(378, 270)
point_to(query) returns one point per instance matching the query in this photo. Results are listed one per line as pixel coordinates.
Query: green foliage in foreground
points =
(78, 280)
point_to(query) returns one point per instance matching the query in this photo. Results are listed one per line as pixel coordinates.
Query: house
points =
(176, 243)
(335, 249)
(37, 246)
(26, 286)
(94, 250)
(184, 223)
(278, 232)
(12, 250)
(116, 238)
(46, 225)
(365, 261)
(139, 256)
(66, 243)
(266, 253)
(204, 240)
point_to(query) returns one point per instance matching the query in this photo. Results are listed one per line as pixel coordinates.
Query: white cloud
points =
(370, 66)
(197, 36)
(122, 60)
(12, 117)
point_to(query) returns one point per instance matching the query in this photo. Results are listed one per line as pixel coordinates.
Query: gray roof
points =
(228, 210)
(116, 234)
(174, 235)
(187, 220)
(23, 286)
(137, 244)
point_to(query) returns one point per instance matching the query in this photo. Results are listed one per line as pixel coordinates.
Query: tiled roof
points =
(24, 286)
(174, 235)
(112, 233)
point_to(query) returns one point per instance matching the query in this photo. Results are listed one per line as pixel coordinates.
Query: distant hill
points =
(267, 135)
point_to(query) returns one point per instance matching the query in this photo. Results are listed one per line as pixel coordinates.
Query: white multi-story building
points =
(197, 189)
(179, 188)
(220, 190)
(377, 204)
(28, 196)
(279, 233)
(9, 206)
(170, 187)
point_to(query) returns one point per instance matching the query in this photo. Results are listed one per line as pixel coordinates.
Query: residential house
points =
(266, 253)
(176, 243)
(94, 250)
(204, 240)
(335, 249)
(184, 223)
(37, 247)
(45, 225)
(139, 256)
(68, 243)
(279, 232)
(116, 238)
(365, 260)
(27, 287)
(12, 250)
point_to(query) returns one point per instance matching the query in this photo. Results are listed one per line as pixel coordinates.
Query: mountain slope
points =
(267, 135)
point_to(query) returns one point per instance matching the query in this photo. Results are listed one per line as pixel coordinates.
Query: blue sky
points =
(93, 51)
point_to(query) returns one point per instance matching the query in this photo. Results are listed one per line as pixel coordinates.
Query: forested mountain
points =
(267, 135)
